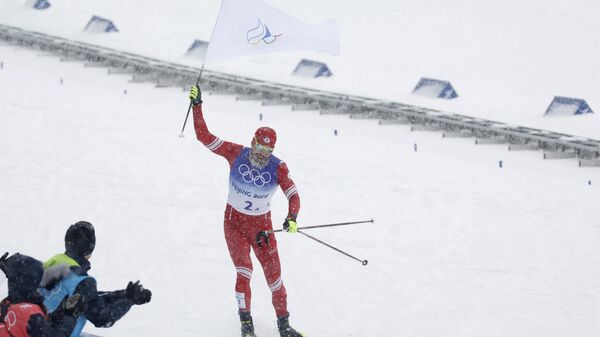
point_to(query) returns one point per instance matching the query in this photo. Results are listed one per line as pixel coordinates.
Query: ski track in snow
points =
(460, 247)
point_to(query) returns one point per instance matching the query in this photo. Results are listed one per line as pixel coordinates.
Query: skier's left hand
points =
(290, 225)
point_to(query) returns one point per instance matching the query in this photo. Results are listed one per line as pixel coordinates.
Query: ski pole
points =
(321, 226)
(364, 262)
(190, 106)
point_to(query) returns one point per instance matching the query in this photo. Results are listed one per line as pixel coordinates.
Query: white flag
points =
(250, 27)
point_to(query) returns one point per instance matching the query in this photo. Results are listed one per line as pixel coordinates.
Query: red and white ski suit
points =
(243, 223)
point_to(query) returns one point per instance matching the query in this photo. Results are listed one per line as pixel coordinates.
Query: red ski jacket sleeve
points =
(223, 148)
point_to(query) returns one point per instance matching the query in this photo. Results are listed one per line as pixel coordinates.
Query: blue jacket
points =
(66, 274)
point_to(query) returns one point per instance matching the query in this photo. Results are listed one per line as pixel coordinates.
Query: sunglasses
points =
(261, 147)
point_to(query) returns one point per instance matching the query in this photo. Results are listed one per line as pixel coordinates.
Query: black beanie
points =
(80, 239)
(24, 275)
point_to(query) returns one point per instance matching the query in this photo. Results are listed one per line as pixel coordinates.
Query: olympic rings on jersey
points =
(254, 176)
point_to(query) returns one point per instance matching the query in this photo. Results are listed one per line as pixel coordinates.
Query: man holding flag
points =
(250, 27)
(253, 179)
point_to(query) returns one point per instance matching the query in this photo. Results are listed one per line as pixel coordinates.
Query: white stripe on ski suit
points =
(247, 273)
(215, 144)
(291, 191)
(276, 285)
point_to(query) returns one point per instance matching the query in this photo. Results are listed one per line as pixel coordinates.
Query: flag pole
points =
(190, 106)
(202, 68)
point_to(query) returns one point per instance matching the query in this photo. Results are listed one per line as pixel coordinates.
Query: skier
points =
(22, 313)
(67, 274)
(253, 178)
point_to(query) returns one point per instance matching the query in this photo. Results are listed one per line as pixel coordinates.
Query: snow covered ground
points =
(460, 246)
(506, 58)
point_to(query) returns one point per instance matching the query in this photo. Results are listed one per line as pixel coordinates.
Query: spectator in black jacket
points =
(67, 274)
(22, 313)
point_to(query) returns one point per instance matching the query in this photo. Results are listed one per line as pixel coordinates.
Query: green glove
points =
(195, 95)
(290, 226)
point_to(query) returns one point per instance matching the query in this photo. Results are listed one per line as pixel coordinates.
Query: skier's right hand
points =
(195, 95)
(136, 293)
(262, 238)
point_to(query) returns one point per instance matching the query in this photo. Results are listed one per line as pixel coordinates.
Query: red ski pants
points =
(240, 234)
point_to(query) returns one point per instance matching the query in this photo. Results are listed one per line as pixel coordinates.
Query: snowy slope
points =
(460, 246)
(506, 58)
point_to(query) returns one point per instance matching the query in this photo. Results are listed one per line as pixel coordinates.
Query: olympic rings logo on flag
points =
(254, 176)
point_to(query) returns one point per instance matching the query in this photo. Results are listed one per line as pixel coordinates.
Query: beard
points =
(258, 161)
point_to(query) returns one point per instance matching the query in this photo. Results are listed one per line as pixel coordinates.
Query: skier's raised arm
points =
(215, 144)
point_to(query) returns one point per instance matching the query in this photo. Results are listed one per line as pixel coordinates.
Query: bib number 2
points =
(249, 206)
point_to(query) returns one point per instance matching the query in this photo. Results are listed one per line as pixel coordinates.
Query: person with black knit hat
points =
(22, 312)
(80, 239)
(67, 274)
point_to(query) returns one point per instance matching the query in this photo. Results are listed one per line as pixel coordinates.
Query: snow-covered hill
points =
(460, 247)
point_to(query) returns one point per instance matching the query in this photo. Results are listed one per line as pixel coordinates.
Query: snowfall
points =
(461, 245)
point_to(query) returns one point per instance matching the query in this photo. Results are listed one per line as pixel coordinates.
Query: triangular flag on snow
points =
(250, 27)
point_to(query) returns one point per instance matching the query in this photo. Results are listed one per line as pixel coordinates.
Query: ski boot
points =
(285, 330)
(247, 325)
